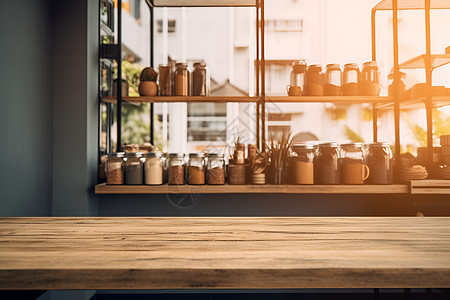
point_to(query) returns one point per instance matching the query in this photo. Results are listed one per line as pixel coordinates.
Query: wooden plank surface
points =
(171, 253)
(238, 189)
(330, 99)
(430, 186)
(182, 99)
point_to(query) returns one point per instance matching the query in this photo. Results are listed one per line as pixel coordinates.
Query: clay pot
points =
(148, 88)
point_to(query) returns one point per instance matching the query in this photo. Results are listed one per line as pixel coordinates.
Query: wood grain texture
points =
(430, 186)
(242, 189)
(182, 99)
(263, 252)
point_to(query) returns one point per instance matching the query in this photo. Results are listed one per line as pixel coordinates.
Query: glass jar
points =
(333, 80)
(401, 85)
(379, 160)
(176, 168)
(314, 81)
(298, 75)
(216, 169)
(326, 164)
(301, 164)
(154, 168)
(114, 168)
(196, 168)
(353, 167)
(239, 154)
(200, 80)
(370, 79)
(165, 80)
(351, 80)
(181, 80)
(134, 168)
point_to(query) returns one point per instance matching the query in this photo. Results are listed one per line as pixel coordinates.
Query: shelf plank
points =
(417, 103)
(412, 4)
(430, 186)
(418, 62)
(328, 99)
(246, 189)
(204, 3)
(183, 99)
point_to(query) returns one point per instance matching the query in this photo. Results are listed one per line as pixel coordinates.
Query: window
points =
(171, 26)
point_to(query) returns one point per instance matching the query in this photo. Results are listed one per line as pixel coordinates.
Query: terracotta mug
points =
(354, 173)
(293, 90)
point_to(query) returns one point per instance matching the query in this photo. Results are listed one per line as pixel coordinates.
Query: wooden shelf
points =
(412, 4)
(417, 103)
(251, 189)
(430, 186)
(418, 62)
(203, 3)
(328, 99)
(183, 99)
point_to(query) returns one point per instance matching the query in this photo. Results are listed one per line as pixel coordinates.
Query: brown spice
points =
(176, 175)
(114, 177)
(196, 175)
(236, 174)
(216, 176)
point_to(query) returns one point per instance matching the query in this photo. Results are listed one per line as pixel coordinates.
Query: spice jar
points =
(351, 80)
(326, 164)
(333, 80)
(216, 169)
(165, 80)
(196, 168)
(301, 164)
(176, 167)
(199, 80)
(370, 79)
(298, 75)
(154, 168)
(181, 80)
(134, 168)
(353, 167)
(114, 168)
(239, 154)
(379, 160)
(401, 85)
(314, 81)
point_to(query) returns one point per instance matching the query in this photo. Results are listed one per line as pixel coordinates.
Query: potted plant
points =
(148, 85)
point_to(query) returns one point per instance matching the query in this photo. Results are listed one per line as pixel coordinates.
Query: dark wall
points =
(25, 108)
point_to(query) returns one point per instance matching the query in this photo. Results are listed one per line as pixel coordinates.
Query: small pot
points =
(148, 88)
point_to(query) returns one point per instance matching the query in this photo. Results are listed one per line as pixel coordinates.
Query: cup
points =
(354, 173)
(293, 90)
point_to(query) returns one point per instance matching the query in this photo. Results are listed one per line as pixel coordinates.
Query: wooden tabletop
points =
(172, 253)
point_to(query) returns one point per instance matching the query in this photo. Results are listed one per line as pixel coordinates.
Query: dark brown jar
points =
(379, 160)
(199, 80)
(351, 78)
(333, 80)
(181, 80)
(165, 80)
(314, 81)
(327, 164)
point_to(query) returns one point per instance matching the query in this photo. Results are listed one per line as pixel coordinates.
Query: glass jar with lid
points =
(351, 79)
(134, 168)
(333, 80)
(353, 167)
(370, 79)
(200, 80)
(379, 160)
(301, 163)
(314, 81)
(298, 75)
(196, 168)
(154, 168)
(327, 164)
(114, 168)
(176, 168)
(181, 79)
(401, 85)
(165, 80)
(216, 169)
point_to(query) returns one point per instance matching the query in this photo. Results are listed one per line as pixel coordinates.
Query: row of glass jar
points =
(183, 82)
(352, 82)
(156, 168)
(331, 163)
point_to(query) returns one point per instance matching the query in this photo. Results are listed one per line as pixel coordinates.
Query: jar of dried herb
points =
(327, 164)
(379, 160)
(200, 80)
(301, 164)
(134, 168)
(114, 168)
(196, 168)
(176, 168)
(181, 80)
(216, 169)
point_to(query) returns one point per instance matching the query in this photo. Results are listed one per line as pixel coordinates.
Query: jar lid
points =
(333, 66)
(370, 64)
(304, 146)
(380, 144)
(216, 155)
(197, 155)
(352, 145)
(179, 154)
(402, 75)
(134, 154)
(155, 154)
(116, 154)
(351, 66)
(181, 64)
(316, 67)
(199, 64)
(164, 65)
(329, 145)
